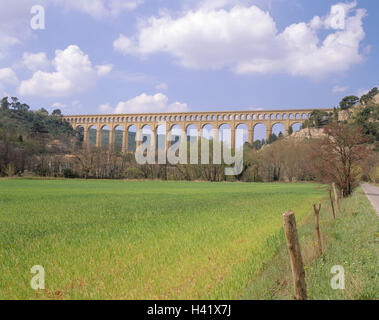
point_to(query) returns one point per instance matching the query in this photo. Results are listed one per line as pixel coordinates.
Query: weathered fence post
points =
(331, 202)
(336, 197)
(317, 226)
(293, 245)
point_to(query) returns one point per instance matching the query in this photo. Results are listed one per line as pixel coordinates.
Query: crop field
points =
(141, 240)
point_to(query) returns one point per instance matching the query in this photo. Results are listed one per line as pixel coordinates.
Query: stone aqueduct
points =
(233, 119)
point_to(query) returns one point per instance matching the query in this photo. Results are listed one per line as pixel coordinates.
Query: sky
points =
(137, 56)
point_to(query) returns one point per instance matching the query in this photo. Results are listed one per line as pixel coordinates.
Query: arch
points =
(175, 133)
(260, 131)
(132, 134)
(92, 131)
(192, 130)
(206, 124)
(80, 133)
(147, 133)
(160, 131)
(207, 131)
(296, 126)
(118, 135)
(105, 135)
(225, 134)
(278, 128)
(245, 130)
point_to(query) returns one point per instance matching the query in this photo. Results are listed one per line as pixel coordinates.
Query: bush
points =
(68, 173)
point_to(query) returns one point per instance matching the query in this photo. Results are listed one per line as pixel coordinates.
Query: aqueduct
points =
(197, 120)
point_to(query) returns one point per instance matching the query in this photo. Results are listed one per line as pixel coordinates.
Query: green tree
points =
(57, 112)
(318, 119)
(366, 98)
(290, 130)
(4, 103)
(348, 102)
(272, 138)
(43, 111)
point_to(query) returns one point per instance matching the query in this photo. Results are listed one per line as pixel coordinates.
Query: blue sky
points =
(104, 56)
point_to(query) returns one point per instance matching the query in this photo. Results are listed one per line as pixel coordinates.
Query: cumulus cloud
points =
(36, 61)
(100, 8)
(15, 16)
(8, 76)
(104, 69)
(246, 40)
(73, 73)
(150, 103)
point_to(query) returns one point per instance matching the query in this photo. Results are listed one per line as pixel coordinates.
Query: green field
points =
(141, 240)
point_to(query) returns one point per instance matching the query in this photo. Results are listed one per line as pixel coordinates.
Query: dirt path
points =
(372, 194)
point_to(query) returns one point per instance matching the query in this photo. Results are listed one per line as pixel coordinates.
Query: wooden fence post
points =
(293, 245)
(317, 226)
(331, 202)
(336, 197)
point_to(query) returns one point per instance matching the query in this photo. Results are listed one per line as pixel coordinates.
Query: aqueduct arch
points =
(198, 120)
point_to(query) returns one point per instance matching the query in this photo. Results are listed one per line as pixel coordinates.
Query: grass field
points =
(141, 240)
(351, 241)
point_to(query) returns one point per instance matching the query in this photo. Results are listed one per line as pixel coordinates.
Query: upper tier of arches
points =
(186, 119)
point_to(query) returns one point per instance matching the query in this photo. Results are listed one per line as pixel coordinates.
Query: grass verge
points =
(352, 241)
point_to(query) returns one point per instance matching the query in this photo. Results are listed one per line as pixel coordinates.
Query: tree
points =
(57, 112)
(272, 138)
(318, 119)
(4, 103)
(348, 102)
(337, 157)
(366, 98)
(43, 111)
(290, 130)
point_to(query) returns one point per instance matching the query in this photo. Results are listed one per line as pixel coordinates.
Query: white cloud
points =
(161, 86)
(104, 69)
(6, 43)
(146, 104)
(100, 8)
(36, 61)
(59, 105)
(73, 73)
(339, 89)
(246, 40)
(15, 16)
(8, 76)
